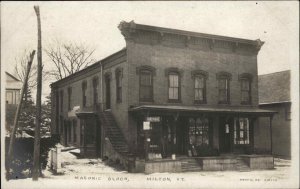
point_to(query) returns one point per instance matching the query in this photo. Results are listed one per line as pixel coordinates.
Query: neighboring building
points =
(169, 92)
(12, 98)
(274, 94)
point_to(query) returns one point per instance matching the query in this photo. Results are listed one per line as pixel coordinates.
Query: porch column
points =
(271, 134)
(175, 137)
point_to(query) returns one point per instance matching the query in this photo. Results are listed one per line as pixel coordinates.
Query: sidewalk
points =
(94, 173)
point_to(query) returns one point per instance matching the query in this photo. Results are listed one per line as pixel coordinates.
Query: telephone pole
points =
(36, 153)
(17, 116)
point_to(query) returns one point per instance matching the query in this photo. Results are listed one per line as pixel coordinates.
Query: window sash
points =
(119, 93)
(173, 86)
(74, 131)
(9, 97)
(146, 86)
(119, 87)
(223, 90)
(84, 87)
(245, 91)
(61, 101)
(69, 98)
(173, 93)
(199, 88)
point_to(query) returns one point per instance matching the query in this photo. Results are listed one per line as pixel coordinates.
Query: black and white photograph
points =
(150, 94)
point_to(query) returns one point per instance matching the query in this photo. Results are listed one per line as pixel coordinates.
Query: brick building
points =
(168, 93)
(274, 94)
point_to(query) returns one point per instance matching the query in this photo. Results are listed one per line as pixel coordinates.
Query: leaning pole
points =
(36, 153)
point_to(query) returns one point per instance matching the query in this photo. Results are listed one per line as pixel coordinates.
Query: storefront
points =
(163, 131)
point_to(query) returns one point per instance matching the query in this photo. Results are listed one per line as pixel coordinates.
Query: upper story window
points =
(95, 90)
(173, 86)
(200, 78)
(224, 87)
(245, 80)
(174, 90)
(84, 88)
(146, 83)
(119, 76)
(69, 97)
(61, 100)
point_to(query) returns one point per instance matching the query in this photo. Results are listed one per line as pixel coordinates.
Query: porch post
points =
(271, 134)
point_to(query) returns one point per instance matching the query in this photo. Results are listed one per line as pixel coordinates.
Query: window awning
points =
(204, 109)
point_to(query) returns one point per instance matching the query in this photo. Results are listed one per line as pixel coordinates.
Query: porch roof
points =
(207, 109)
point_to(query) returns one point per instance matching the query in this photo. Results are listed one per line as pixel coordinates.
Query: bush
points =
(206, 150)
(22, 161)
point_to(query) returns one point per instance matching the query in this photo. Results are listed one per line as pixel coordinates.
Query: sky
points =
(95, 24)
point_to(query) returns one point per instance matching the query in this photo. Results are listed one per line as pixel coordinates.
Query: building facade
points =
(168, 93)
(274, 94)
(12, 98)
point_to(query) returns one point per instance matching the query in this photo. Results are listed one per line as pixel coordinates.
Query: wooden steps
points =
(190, 165)
(115, 135)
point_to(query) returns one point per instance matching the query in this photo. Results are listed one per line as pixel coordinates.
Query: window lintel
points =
(199, 72)
(246, 76)
(173, 70)
(147, 68)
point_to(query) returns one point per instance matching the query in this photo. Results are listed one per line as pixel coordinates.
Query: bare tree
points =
(21, 67)
(68, 58)
(20, 72)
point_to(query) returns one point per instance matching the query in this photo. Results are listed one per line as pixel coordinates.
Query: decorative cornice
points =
(129, 28)
(146, 67)
(221, 75)
(199, 72)
(119, 70)
(108, 75)
(245, 76)
(175, 70)
(95, 80)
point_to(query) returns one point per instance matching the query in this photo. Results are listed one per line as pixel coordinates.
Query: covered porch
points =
(192, 132)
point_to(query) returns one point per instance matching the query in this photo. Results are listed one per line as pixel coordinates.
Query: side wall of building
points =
(63, 114)
(118, 108)
(281, 129)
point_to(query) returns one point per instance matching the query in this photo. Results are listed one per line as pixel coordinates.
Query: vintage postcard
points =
(150, 94)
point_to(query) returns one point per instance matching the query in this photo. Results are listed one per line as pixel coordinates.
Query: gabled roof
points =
(274, 87)
(13, 77)
(12, 82)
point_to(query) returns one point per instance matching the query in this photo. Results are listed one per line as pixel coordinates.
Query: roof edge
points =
(96, 64)
(12, 76)
(132, 26)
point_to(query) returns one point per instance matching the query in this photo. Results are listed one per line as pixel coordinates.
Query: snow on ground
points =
(71, 165)
(94, 173)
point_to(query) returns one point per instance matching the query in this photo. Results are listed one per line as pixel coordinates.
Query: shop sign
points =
(146, 125)
(153, 119)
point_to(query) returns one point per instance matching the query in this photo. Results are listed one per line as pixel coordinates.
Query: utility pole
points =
(36, 153)
(17, 116)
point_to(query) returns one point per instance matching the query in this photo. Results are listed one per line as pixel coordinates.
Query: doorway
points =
(226, 135)
(182, 136)
(107, 87)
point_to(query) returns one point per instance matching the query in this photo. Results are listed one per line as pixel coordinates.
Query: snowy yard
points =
(93, 173)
